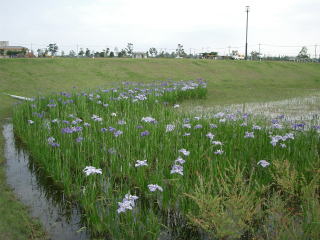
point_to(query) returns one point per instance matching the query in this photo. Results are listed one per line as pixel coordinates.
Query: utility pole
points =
(260, 51)
(77, 51)
(315, 51)
(246, 54)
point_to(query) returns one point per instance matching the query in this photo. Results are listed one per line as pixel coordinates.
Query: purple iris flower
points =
(77, 129)
(112, 129)
(52, 105)
(118, 133)
(249, 135)
(145, 133)
(298, 126)
(54, 144)
(245, 115)
(67, 130)
(213, 125)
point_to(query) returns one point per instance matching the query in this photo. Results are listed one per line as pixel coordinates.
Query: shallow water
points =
(305, 109)
(60, 218)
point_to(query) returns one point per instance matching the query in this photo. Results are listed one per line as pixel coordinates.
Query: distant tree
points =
(122, 53)
(88, 52)
(255, 55)
(129, 49)
(107, 51)
(153, 52)
(12, 53)
(62, 53)
(111, 54)
(96, 54)
(102, 54)
(1, 51)
(191, 55)
(53, 48)
(180, 51)
(81, 52)
(234, 53)
(40, 52)
(303, 54)
(46, 51)
(172, 55)
(161, 54)
(72, 53)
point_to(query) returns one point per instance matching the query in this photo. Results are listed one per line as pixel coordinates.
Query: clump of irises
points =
(92, 140)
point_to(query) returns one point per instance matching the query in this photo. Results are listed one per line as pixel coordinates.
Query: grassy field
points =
(228, 82)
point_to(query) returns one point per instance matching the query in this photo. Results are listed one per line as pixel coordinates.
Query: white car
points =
(236, 57)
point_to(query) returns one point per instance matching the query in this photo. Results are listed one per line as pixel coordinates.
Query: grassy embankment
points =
(228, 82)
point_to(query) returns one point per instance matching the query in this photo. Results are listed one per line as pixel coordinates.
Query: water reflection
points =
(60, 218)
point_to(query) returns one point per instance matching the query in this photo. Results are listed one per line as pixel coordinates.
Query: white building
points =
(139, 55)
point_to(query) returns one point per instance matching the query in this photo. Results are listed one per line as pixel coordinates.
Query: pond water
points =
(60, 218)
(297, 109)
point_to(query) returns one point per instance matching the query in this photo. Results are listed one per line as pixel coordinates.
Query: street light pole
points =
(247, 10)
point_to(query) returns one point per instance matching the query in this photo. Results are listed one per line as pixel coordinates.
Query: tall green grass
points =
(225, 196)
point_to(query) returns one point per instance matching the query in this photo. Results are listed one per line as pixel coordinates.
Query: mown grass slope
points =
(229, 81)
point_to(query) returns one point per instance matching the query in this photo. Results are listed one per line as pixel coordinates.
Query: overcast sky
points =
(199, 25)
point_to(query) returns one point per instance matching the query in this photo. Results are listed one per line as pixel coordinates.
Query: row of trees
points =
(128, 51)
(302, 55)
(52, 49)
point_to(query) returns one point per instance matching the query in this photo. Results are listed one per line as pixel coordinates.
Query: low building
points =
(211, 55)
(6, 49)
(139, 55)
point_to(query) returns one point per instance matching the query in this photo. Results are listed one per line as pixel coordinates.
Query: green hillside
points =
(229, 81)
